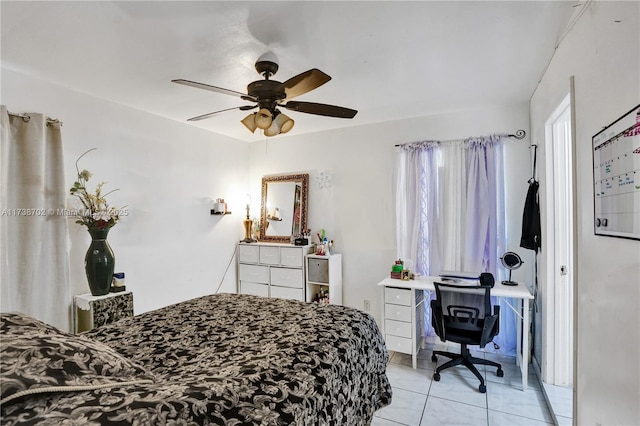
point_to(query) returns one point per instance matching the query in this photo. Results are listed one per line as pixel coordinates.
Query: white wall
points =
(357, 210)
(169, 246)
(603, 55)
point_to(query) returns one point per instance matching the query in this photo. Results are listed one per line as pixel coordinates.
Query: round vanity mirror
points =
(511, 261)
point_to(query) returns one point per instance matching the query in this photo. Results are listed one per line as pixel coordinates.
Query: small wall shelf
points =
(219, 213)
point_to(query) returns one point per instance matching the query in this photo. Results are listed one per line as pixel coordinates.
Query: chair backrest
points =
(462, 310)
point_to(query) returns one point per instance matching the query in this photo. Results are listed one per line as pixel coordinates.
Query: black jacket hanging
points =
(531, 234)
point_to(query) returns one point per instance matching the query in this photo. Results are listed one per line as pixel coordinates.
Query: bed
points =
(220, 359)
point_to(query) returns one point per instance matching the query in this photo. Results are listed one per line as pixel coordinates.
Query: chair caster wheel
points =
(500, 373)
(434, 358)
(436, 377)
(482, 388)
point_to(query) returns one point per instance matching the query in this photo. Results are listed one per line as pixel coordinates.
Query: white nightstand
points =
(94, 311)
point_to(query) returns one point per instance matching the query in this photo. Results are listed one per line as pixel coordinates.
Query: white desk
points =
(520, 292)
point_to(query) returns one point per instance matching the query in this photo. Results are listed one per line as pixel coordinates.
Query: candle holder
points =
(247, 229)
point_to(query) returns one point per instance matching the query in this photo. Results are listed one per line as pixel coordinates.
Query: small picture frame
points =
(405, 275)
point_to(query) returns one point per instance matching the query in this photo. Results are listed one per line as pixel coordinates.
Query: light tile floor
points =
(560, 400)
(455, 400)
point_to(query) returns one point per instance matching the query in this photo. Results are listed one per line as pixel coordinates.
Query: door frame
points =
(558, 298)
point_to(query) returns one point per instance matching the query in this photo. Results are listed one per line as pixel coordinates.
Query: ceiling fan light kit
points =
(263, 119)
(250, 122)
(284, 122)
(273, 130)
(268, 95)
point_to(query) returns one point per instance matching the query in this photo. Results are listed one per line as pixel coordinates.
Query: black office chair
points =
(462, 314)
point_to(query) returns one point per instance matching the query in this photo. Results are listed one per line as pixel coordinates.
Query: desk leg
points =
(519, 326)
(524, 331)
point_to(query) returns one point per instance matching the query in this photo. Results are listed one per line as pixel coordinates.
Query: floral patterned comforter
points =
(221, 359)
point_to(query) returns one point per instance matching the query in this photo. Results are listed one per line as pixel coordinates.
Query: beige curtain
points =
(34, 255)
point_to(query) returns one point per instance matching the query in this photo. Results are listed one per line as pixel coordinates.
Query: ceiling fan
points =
(269, 95)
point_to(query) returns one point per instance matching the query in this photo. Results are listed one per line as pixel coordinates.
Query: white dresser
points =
(272, 270)
(403, 324)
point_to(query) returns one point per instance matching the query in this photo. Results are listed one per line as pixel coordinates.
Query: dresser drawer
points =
(287, 293)
(291, 256)
(397, 312)
(248, 254)
(270, 255)
(398, 296)
(398, 344)
(287, 277)
(254, 288)
(254, 273)
(397, 328)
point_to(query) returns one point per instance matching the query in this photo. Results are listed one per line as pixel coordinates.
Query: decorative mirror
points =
(284, 207)
(511, 261)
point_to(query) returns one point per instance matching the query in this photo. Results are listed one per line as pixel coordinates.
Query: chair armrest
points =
(437, 321)
(491, 327)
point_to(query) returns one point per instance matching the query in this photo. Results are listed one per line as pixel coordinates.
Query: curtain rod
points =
(520, 134)
(27, 117)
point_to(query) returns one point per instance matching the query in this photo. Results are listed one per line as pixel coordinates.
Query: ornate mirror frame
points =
(265, 218)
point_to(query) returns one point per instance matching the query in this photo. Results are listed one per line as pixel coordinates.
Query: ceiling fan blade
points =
(214, 89)
(241, 108)
(321, 109)
(304, 82)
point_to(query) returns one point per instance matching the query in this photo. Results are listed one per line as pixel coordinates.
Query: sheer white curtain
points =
(34, 255)
(450, 211)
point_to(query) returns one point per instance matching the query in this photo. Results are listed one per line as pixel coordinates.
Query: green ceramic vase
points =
(99, 262)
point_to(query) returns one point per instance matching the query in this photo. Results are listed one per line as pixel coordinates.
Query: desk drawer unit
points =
(397, 311)
(403, 326)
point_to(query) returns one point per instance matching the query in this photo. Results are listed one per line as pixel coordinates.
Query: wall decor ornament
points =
(96, 214)
(323, 179)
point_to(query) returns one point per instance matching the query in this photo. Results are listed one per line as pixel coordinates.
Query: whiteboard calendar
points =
(616, 177)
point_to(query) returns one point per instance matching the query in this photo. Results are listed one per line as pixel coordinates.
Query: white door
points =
(557, 368)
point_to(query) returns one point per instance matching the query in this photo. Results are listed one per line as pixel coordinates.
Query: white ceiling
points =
(389, 60)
